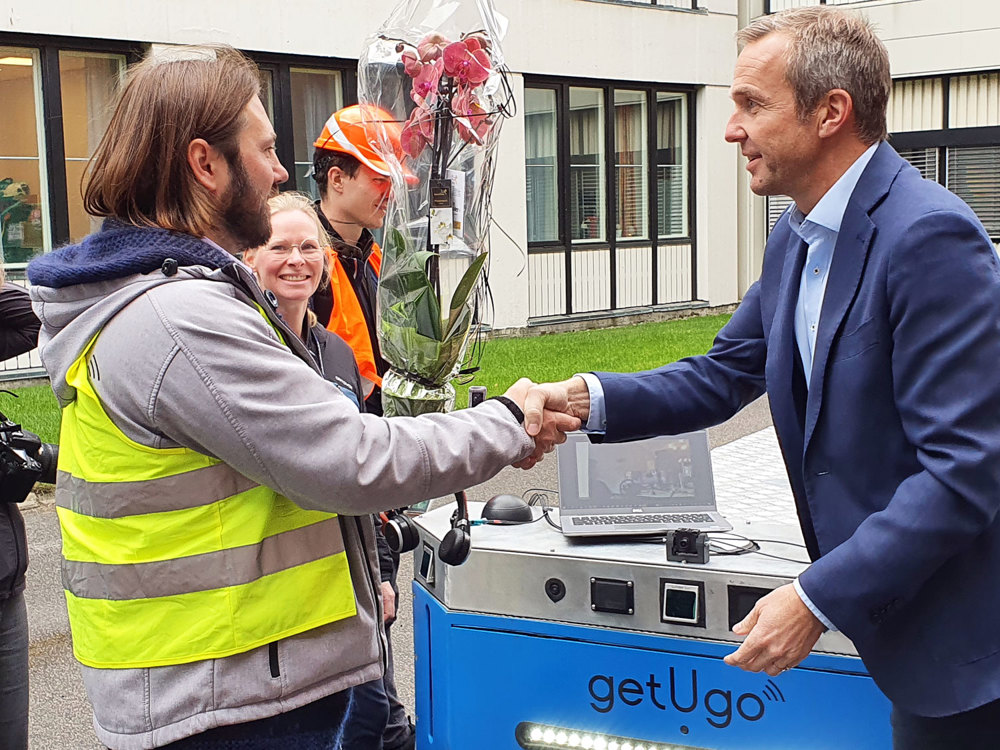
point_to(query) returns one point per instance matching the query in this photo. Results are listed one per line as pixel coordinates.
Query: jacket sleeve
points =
(18, 323)
(943, 290)
(695, 392)
(386, 564)
(209, 373)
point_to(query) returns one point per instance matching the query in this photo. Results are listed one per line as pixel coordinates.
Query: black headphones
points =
(457, 543)
(401, 533)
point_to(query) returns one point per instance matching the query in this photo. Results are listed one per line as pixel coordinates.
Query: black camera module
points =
(687, 545)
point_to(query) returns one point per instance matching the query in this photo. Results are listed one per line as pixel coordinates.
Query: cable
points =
(715, 548)
(539, 494)
(768, 541)
(553, 524)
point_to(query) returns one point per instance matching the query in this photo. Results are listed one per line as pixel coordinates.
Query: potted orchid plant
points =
(437, 67)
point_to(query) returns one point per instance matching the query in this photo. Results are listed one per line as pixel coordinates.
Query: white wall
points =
(572, 38)
(935, 36)
(716, 187)
(559, 37)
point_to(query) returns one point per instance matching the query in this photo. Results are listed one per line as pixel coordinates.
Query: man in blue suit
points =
(875, 331)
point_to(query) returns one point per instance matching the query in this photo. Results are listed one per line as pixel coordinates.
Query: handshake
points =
(550, 411)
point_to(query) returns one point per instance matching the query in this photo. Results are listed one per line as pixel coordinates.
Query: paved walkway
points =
(750, 479)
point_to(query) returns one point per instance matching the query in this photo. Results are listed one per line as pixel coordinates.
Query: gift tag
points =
(457, 180)
(442, 213)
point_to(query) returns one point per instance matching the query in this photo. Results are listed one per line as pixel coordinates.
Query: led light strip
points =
(544, 736)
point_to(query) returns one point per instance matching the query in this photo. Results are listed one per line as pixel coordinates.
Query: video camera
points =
(24, 460)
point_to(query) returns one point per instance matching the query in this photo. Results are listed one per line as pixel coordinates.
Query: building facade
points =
(615, 193)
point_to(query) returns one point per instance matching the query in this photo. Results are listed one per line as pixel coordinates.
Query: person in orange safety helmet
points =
(355, 185)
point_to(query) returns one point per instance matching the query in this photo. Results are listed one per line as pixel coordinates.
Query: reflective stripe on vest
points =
(348, 320)
(170, 556)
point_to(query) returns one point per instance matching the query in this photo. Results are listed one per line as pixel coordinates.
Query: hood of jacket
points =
(77, 289)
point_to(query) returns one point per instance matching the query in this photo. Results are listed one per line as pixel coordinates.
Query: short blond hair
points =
(293, 201)
(831, 49)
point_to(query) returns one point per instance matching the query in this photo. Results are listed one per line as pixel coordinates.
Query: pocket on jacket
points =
(863, 337)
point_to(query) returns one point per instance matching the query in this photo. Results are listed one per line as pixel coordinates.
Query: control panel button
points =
(682, 602)
(741, 601)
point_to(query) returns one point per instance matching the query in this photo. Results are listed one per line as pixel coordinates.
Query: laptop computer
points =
(644, 487)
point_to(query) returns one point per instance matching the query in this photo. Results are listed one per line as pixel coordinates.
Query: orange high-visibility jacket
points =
(348, 320)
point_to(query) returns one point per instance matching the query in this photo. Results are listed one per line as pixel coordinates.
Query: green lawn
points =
(542, 358)
(561, 355)
(35, 409)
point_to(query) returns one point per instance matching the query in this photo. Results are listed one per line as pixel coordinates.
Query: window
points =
(608, 196)
(631, 167)
(776, 206)
(974, 176)
(299, 95)
(948, 127)
(316, 94)
(541, 165)
(671, 164)
(24, 211)
(88, 81)
(587, 164)
(267, 92)
(924, 159)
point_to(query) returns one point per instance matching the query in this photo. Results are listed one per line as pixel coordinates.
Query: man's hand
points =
(550, 426)
(388, 603)
(780, 632)
(570, 397)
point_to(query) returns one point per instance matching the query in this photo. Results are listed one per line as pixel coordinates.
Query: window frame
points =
(947, 137)
(49, 46)
(280, 67)
(561, 85)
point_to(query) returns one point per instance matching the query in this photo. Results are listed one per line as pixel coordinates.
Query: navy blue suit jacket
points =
(893, 454)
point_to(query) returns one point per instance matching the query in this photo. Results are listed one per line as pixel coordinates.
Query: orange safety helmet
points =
(355, 130)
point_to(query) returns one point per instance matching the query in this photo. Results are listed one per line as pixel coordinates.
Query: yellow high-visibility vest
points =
(171, 556)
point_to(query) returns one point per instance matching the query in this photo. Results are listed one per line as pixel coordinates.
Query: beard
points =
(245, 215)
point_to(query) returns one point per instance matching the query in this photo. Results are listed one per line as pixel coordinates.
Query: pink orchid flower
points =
(471, 118)
(411, 64)
(467, 62)
(417, 133)
(432, 46)
(425, 84)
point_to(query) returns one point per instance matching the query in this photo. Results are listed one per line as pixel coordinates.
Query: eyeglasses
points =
(310, 249)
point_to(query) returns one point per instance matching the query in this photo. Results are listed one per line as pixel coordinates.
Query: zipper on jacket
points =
(376, 592)
(272, 658)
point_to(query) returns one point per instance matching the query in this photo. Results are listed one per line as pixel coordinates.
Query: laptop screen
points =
(653, 474)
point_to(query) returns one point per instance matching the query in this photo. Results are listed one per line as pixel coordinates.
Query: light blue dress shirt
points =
(819, 230)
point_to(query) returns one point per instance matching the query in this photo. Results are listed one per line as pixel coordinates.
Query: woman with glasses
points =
(292, 266)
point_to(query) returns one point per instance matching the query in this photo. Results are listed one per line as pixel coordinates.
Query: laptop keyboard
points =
(642, 518)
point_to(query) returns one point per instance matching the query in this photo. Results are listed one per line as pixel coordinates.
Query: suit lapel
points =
(782, 348)
(857, 231)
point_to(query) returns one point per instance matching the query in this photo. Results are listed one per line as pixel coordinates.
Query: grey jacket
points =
(188, 360)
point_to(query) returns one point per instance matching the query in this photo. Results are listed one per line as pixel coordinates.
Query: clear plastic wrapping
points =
(436, 66)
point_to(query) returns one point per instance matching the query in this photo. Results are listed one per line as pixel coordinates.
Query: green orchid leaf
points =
(464, 288)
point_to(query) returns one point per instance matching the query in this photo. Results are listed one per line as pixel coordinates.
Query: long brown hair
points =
(139, 173)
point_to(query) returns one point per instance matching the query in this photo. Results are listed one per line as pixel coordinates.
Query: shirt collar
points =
(829, 212)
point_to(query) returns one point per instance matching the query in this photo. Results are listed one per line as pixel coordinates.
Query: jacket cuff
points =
(514, 408)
